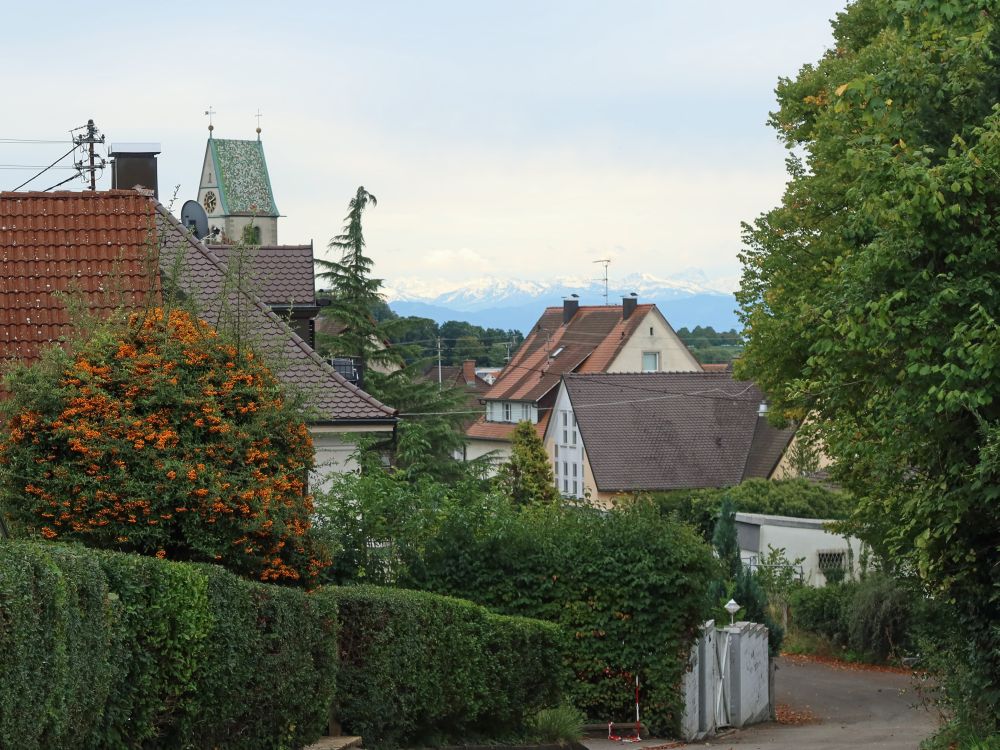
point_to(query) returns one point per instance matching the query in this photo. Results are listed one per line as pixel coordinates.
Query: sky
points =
(519, 140)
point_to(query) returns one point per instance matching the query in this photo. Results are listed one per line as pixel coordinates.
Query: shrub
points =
(417, 668)
(562, 725)
(881, 616)
(109, 650)
(822, 610)
(162, 437)
(628, 589)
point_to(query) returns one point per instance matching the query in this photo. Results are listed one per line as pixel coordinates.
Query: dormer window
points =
(506, 411)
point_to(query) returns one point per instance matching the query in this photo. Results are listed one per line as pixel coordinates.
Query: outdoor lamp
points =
(732, 608)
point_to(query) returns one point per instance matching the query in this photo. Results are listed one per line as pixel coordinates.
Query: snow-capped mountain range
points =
(687, 300)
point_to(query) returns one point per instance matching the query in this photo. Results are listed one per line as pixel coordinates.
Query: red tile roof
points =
(502, 431)
(99, 242)
(588, 343)
(50, 243)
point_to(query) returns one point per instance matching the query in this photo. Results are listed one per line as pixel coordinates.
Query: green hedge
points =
(107, 650)
(798, 498)
(628, 589)
(418, 668)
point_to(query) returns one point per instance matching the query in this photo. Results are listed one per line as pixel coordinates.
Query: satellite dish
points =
(194, 218)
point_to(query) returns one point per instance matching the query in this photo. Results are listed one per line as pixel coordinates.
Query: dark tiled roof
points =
(588, 343)
(664, 431)
(100, 242)
(278, 274)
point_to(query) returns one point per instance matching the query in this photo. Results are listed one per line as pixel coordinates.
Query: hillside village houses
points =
(100, 241)
(632, 337)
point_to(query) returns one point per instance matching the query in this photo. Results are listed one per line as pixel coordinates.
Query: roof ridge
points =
(295, 338)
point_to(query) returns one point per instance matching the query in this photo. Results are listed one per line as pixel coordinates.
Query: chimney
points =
(570, 305)
(628, 305)
(469, 371)
(134, 165)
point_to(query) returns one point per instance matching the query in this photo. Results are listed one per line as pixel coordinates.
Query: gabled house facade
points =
(632, 337)
(119, 248)
(620, 433)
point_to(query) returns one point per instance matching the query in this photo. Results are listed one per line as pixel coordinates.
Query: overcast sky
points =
(515, 139)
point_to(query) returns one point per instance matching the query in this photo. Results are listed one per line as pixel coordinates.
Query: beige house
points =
(621, 433)
(587, 339)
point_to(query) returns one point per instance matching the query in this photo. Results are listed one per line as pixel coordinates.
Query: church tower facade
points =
(235, 191)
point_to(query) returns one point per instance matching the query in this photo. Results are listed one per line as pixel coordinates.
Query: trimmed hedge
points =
(109, 650)
(419, 668)
(628, 589)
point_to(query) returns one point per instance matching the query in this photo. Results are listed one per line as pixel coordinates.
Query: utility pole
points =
(90, 140)
(440, 381)
(606, 262)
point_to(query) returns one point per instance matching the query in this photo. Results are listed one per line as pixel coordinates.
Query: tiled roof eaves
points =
(388, 412)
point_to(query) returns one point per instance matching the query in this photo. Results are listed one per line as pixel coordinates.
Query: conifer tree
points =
(725, 541)
(527, 477)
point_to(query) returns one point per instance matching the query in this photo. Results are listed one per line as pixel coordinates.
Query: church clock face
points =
(209, 202)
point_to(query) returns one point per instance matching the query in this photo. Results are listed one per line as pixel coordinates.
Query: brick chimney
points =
(469, 371)
(570, 306)
(628, 305)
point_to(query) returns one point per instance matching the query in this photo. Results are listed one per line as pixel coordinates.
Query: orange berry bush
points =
(165, 438)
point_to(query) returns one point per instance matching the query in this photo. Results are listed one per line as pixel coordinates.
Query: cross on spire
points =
(258, 116)
(210, 112)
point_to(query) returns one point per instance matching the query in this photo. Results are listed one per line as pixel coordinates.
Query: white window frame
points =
(656, 364)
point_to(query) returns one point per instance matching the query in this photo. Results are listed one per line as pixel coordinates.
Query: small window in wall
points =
(650, 361)
(651, 330)
(832, 564)
(506, 412)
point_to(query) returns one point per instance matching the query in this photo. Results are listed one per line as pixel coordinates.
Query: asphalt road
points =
(853, 709)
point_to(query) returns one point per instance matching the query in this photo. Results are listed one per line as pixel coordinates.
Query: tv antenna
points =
(606, 262)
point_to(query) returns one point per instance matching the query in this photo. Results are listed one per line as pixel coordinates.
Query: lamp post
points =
(732, 608)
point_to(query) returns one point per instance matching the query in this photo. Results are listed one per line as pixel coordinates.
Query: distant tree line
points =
(460, 341)
(710, 346)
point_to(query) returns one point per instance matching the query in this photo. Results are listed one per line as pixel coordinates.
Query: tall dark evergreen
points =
(355, 294)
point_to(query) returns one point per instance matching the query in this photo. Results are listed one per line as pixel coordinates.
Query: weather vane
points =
(258, 116)
(210, 112)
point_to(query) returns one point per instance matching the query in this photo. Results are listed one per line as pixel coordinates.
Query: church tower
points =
(235, 191)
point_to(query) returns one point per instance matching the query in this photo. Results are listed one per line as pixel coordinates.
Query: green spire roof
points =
(244, 185)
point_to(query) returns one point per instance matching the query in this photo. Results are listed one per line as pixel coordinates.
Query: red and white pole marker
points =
(633, 737)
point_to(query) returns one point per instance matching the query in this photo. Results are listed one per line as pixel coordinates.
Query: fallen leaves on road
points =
(668, 746)
(846, 665)
(785, 714)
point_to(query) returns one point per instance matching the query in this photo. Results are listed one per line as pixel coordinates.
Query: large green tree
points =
(870, 296)
(432, 416)
(355, 297)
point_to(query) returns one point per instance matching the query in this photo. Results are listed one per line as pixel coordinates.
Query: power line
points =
(48, 168)
(71, 177)
(28, 140)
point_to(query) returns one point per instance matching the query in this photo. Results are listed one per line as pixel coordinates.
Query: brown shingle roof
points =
(278, 274)
(101, 241)
(588, 343)
(665, 431)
